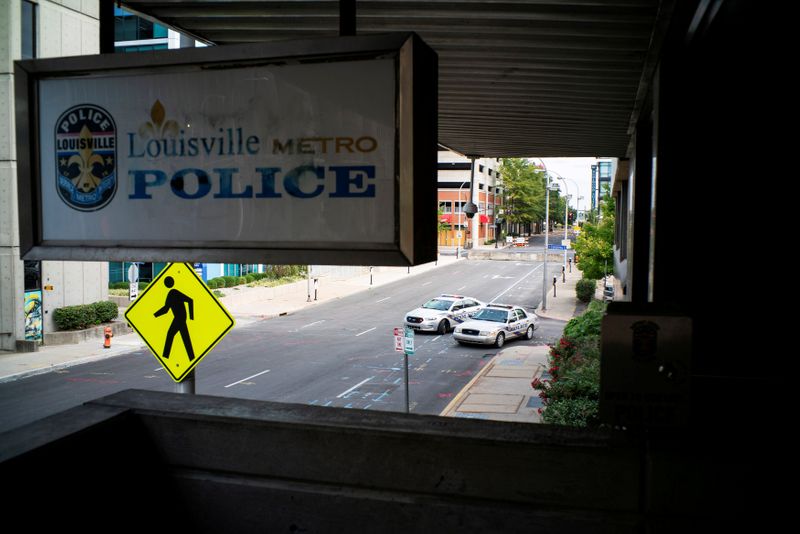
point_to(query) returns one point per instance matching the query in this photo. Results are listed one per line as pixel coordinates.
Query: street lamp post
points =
(546, 236)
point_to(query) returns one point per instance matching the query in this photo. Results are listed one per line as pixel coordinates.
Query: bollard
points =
(555, 281)
(316, 286)
(108, 334)
(563, 275)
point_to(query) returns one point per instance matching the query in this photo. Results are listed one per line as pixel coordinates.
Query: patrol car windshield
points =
(487, 314)
(436, 304)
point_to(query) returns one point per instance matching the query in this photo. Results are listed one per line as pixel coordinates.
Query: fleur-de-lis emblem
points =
(156, 127)
(85, 160)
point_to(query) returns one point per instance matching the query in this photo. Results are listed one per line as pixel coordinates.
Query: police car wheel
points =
(529, 332)
(499, 340)
(443, 327)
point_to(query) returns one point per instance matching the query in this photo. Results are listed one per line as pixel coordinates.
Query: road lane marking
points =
(437, 337)
(365, 331)
(426, 283)
(460, 288)
(517, 282)
(387, 298)
(312, 324)
(343, 393)
(248, 378)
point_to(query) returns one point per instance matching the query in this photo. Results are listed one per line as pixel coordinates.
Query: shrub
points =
(587, 324)
(573, 412)
(585, 289)
(219, 294)
(105, 311)
(118, 285)
(241, 280)
(84, 315)
(250, 278)
(212, 284)
(75, 317)
(230, 281)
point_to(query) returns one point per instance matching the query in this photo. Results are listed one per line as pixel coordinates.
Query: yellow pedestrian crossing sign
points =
(179, 319)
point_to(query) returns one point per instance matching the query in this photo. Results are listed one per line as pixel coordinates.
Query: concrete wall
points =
(64, 28)
(213, 464)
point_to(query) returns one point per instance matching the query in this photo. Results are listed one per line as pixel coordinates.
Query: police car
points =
(496, 323)
(443, 312)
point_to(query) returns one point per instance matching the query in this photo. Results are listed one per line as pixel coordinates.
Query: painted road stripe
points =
(387, 298)
(343, 393)
(517, 282)
(426, 283)
(312, 324)
(365, 331)
(460, 288)
(248, 378)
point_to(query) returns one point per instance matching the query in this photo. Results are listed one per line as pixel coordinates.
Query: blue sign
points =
(556, 247)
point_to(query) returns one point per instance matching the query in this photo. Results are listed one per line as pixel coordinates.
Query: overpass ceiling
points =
(516, 77)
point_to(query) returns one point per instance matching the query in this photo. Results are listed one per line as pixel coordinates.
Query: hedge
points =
(571, 394)
(84, 315)
(585, 289)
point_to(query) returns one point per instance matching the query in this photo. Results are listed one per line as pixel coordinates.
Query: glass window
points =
(521, 314)
(33, 274)
(28, 17)
(445, 207)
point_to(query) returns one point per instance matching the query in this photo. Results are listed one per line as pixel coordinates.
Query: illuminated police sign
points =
(232, 154)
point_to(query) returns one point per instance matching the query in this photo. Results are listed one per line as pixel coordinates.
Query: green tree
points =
(524, 192)
(595, 244)
(443, 226)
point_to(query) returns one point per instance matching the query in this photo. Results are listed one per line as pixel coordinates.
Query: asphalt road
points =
(339, 353)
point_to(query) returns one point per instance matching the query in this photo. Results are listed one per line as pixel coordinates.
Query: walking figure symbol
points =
(176, 303)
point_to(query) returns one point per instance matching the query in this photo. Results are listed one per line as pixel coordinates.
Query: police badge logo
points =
(86, 157)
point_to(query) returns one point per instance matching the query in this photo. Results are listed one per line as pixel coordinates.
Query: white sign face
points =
(133, 273)
(133, 291)
(274, 155)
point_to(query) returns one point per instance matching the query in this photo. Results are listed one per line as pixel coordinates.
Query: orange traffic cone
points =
(108, 335)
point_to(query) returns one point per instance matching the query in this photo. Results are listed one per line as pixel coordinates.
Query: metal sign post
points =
(408, 347)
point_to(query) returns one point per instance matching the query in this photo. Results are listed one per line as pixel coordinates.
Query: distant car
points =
(496, 323)
(520, 242)
(441, 313)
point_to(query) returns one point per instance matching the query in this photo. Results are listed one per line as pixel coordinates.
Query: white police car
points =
(495, 323)
(443, 312)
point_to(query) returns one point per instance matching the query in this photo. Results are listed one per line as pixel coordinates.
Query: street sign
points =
(398, 340)
(408, 341)
(566, 243)
(133, 291)
(133, 273)
(179, 319)
(556, 247)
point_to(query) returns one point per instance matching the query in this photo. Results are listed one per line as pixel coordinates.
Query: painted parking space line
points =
(343, 393)
(365, 331)
(248, 378)
(312, 324)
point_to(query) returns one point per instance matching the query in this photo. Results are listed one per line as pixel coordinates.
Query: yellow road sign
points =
(179, 319)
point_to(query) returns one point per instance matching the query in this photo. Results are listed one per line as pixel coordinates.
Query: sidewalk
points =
(502, 390)
(246, 304)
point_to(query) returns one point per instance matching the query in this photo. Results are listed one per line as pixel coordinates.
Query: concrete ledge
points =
(501, 255)
(24, 345)
(122, 302)
(71, 337)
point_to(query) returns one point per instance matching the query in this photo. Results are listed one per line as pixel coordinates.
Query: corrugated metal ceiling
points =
(516, 77)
